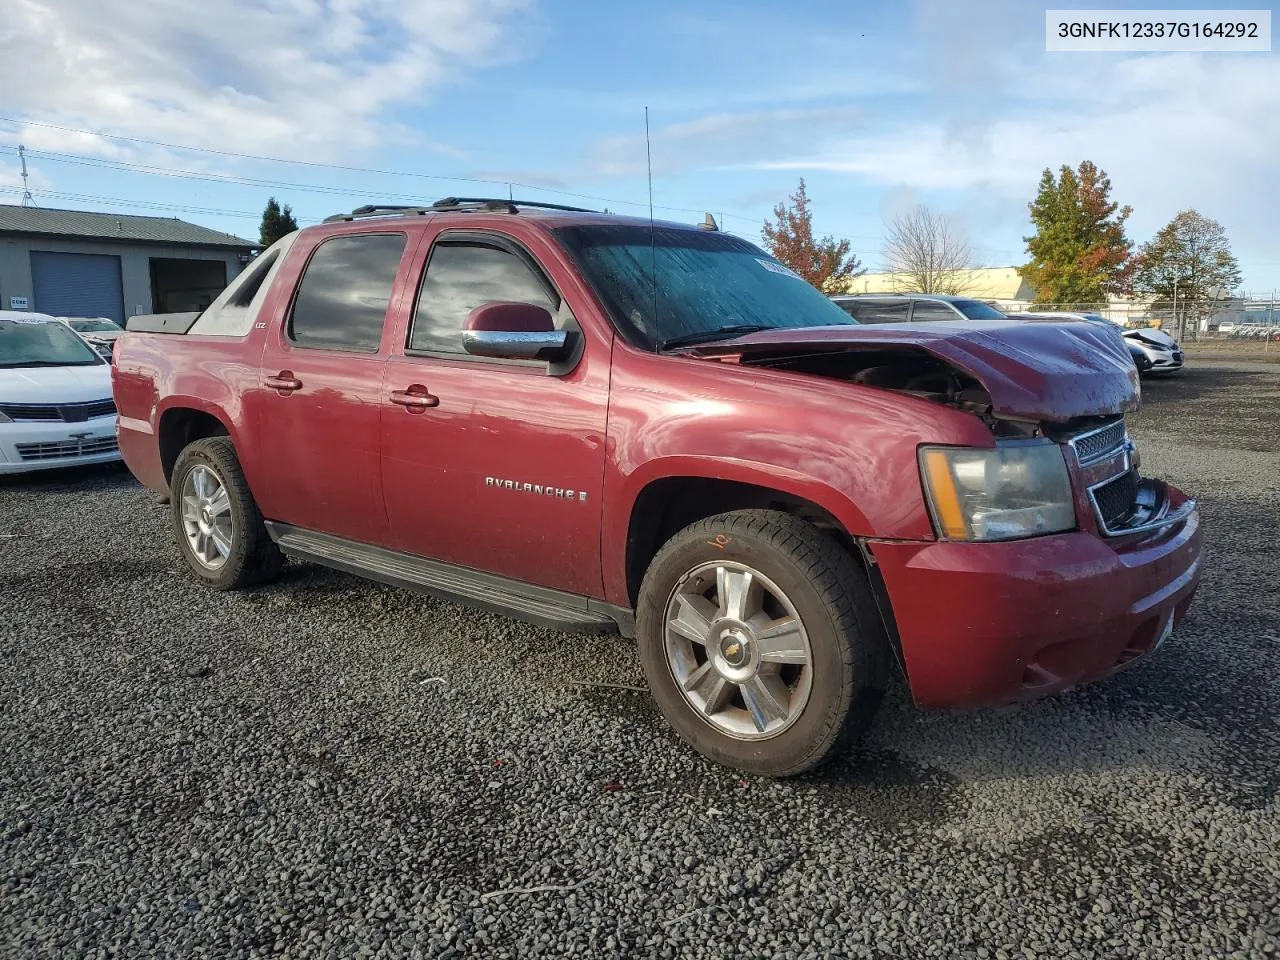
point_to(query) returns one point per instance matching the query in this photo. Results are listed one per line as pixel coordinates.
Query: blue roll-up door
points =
(77, 285)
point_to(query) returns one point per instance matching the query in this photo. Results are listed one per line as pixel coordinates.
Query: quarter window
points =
(462, 275)
(877, 311)
(927, 311)
(343, 298)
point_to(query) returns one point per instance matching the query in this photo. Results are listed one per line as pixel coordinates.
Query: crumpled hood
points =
(1034, 371)
(1151, 335)
(54, 385)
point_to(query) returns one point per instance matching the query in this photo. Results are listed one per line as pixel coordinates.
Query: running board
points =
(546, 608)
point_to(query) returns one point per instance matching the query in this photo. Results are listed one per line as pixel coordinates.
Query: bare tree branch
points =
(928, 253)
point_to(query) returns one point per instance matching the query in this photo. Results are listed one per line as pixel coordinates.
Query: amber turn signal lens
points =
(946, 499)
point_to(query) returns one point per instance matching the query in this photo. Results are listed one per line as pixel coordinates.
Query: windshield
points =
(977, 310)
(709, 285)
(43, 343)
(94, 326)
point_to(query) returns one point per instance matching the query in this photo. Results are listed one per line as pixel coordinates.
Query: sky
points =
(949, 103)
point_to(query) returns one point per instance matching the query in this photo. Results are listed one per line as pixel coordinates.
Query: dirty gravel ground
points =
(327, 767)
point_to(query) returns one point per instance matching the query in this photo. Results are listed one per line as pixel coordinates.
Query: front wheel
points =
(220, 532)
(761, 642)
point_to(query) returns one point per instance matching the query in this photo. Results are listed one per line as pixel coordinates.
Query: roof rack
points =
(458, 203)
(450, 204)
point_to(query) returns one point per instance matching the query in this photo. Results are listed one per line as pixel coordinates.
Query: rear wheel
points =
(219, 529)
(761, 641)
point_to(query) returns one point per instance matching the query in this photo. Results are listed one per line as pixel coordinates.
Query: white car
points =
(99, 331)
(56, 408)
(1160, 348)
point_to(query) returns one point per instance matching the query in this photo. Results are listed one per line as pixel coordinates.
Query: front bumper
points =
(1164, 360)
(990, 623)
(25, 447)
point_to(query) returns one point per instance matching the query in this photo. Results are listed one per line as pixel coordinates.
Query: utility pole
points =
(27, 199)
(1271, 319)
(1177, 329)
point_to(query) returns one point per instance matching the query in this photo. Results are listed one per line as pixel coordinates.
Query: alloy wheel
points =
(206, 517)
(738, 650)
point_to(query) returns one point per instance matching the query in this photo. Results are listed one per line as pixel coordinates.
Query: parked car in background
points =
(1158, 347)
(55, 397)
(100, 332)
(603, 424)
(913, 308)
(1140, 358)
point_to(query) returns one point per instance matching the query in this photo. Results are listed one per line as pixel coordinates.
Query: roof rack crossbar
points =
(378, 210)
(452, 202)
(486, 204)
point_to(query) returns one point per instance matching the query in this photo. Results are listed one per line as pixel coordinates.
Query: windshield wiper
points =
(706, 336)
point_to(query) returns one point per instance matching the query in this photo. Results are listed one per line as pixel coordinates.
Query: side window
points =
(927, 311)
(462, 275)
(342, 300)
(879, 311)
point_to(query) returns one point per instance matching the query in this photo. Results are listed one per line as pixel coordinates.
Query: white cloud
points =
(1172, 131)
(11, 182)
(310, 79)
(720, 139)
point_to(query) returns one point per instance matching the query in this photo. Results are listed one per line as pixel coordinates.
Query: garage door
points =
(77, 285)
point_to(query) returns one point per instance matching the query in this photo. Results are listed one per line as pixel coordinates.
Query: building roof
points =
(81, 224)
(981, 283)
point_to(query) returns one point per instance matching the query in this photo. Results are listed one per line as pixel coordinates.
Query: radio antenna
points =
(653, 251)
(27, 199)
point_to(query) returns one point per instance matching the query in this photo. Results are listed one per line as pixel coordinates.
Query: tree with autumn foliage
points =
(825, 263)
(1188, 265)
(1079, 254)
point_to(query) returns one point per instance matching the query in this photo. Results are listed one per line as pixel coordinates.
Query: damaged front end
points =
(1068, 385)
(1104, 462)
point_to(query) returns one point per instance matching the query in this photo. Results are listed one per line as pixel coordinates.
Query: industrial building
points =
(70, 263)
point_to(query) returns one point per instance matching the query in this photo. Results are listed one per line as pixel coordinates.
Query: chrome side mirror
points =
(516, 331)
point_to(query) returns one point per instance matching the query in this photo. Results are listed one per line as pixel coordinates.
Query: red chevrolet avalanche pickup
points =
(604, 424)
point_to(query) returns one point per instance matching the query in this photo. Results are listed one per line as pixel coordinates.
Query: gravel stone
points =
(327, 767)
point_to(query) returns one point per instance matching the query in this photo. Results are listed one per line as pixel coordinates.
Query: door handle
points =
(284, 381)
(415, 398)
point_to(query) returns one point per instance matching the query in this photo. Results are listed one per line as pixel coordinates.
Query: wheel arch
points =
(669, 503)
(183, 422)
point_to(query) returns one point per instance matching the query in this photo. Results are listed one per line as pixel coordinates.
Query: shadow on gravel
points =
(70, 479)
(631, 705)
(75, 576)
(888, 790)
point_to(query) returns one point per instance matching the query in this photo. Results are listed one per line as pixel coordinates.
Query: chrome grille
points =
(1116, 499)
(65, 412)
(1097, 444)
(65, 448)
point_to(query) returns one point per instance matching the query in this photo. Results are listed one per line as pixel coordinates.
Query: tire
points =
(242, 554)
(840, 634)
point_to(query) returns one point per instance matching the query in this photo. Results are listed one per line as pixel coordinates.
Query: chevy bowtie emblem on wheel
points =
(542, 490)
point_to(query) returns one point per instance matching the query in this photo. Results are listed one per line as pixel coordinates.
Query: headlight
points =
(1018, 489)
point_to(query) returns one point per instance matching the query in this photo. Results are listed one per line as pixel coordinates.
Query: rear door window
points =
(344, 294)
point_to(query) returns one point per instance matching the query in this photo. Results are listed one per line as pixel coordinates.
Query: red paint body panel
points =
(445, 469)
(157, 374)
(850, 449)
(456, 479)
(999, 622)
